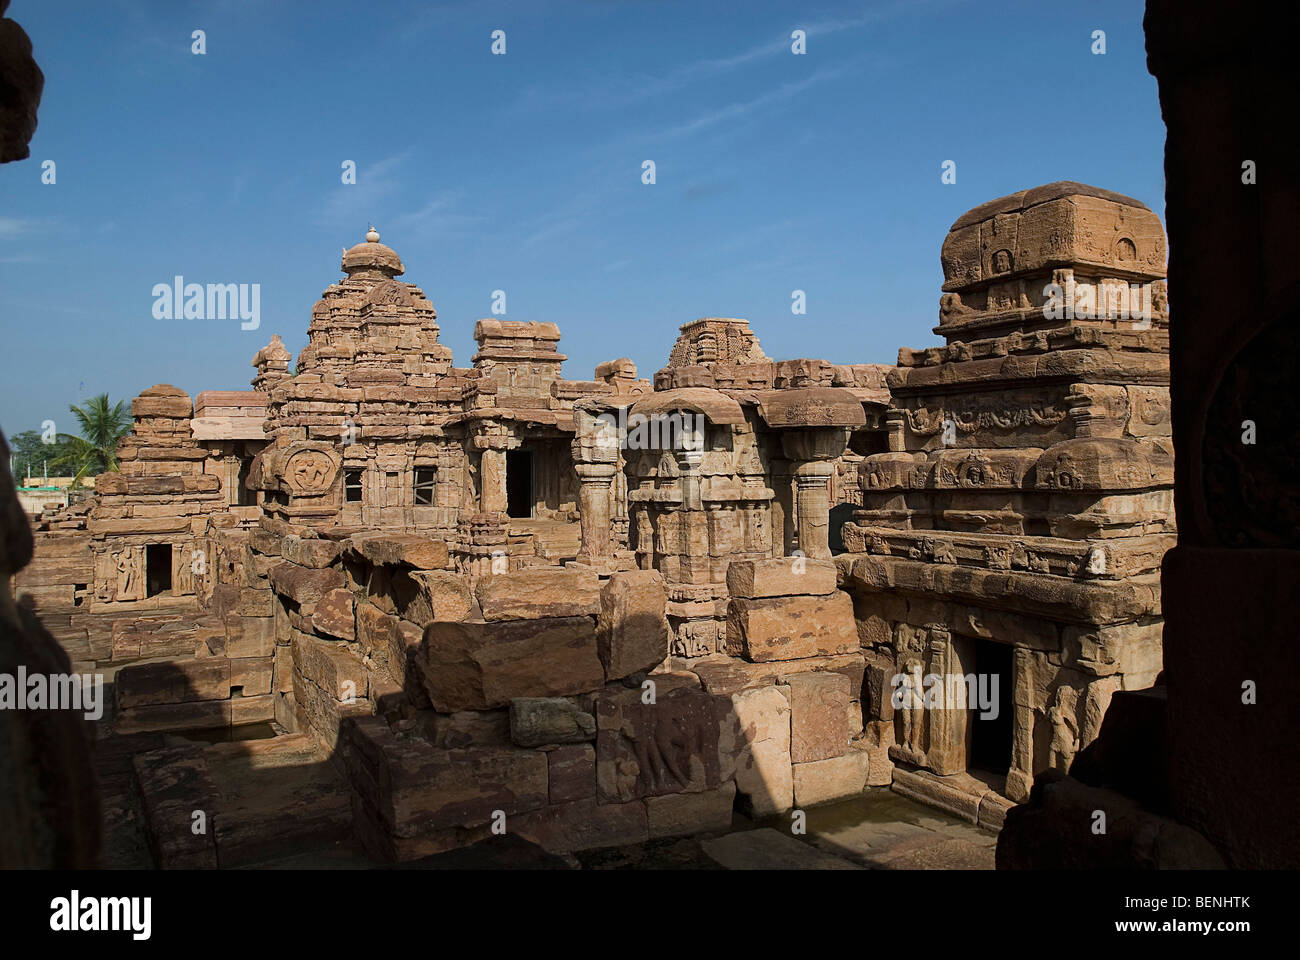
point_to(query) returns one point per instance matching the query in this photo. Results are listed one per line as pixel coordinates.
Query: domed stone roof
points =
(372, 255)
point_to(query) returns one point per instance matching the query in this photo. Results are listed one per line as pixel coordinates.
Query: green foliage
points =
(102, 425)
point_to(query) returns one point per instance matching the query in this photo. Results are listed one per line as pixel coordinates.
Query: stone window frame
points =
(426, 484)
(349, 475)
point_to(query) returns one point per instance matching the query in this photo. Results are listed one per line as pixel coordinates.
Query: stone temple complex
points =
(409, 602)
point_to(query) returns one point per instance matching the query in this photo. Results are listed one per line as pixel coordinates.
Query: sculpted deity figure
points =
(126, 573)
(913, 707)
(1065, 733)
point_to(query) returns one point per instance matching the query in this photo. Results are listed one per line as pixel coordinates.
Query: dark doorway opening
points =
(519, 483)
(157, 568)
(991, 736)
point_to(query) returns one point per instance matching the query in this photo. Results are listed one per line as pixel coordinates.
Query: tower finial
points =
(372, 235)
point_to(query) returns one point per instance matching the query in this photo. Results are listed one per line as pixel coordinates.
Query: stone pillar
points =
(492, 481)
(593, 508)
(814, 508)
(814, 450)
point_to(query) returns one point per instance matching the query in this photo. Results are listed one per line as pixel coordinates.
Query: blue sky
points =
(522, 172)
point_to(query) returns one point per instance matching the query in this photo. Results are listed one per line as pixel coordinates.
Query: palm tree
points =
(102, 426)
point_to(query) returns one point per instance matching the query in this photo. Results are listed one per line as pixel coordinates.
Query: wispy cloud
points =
(347, 204)
(13, 227)
(439, 218)
(606, 95)
(741, 109)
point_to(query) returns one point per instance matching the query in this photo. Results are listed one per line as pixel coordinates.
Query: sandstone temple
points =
(397, 600)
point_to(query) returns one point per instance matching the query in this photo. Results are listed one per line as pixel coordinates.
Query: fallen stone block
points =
(410, 549)
(780, 577)
(477, 666)
(304, 585)
(548, 592)
(334, 615)
(632, 629)
(789, 628)
(439, 595)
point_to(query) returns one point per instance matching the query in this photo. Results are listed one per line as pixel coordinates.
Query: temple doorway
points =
(157, 569)
(991, 734)
(519, 483)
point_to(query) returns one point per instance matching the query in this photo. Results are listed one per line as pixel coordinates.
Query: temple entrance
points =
(519, 483)
(157, 569)
(991, 736)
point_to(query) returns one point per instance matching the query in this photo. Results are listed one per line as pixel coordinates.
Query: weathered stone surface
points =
(471, 728)
(572, 772)
(583, 825)
(762, 743)
(315, 554)
(477, 666)
(393, 776)
(304, 585)
(330, 666)
(176, 681)
(766, 849)
(537, 721)
(788, 628)
(650, 749)
(334, 615)
(412, 550)
(441, 595)
(819, 727)
(676, 814)
(632, 629)
(821, 781)
(780, 577)
(535, 594)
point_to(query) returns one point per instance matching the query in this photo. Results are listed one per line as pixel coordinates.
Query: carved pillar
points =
(594, 510)
(814, 508)
(492, 481)
(814, 450)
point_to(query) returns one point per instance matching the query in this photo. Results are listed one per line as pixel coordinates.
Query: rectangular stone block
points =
(780, 577)
(177, 681)
(821, 781)
(315, 554)
(678, 814)
(572, 772)
(819, 719)
(534, 594)
(330, 666)
(438, 595)
(304, 585)
(673, 745)
(252, 674)
(583, 825)
(334, 615)
(539, 721)
(477, 666)
(762, 744)
(409, 549)
(632, 629)
(398, 777)
(788, 628)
